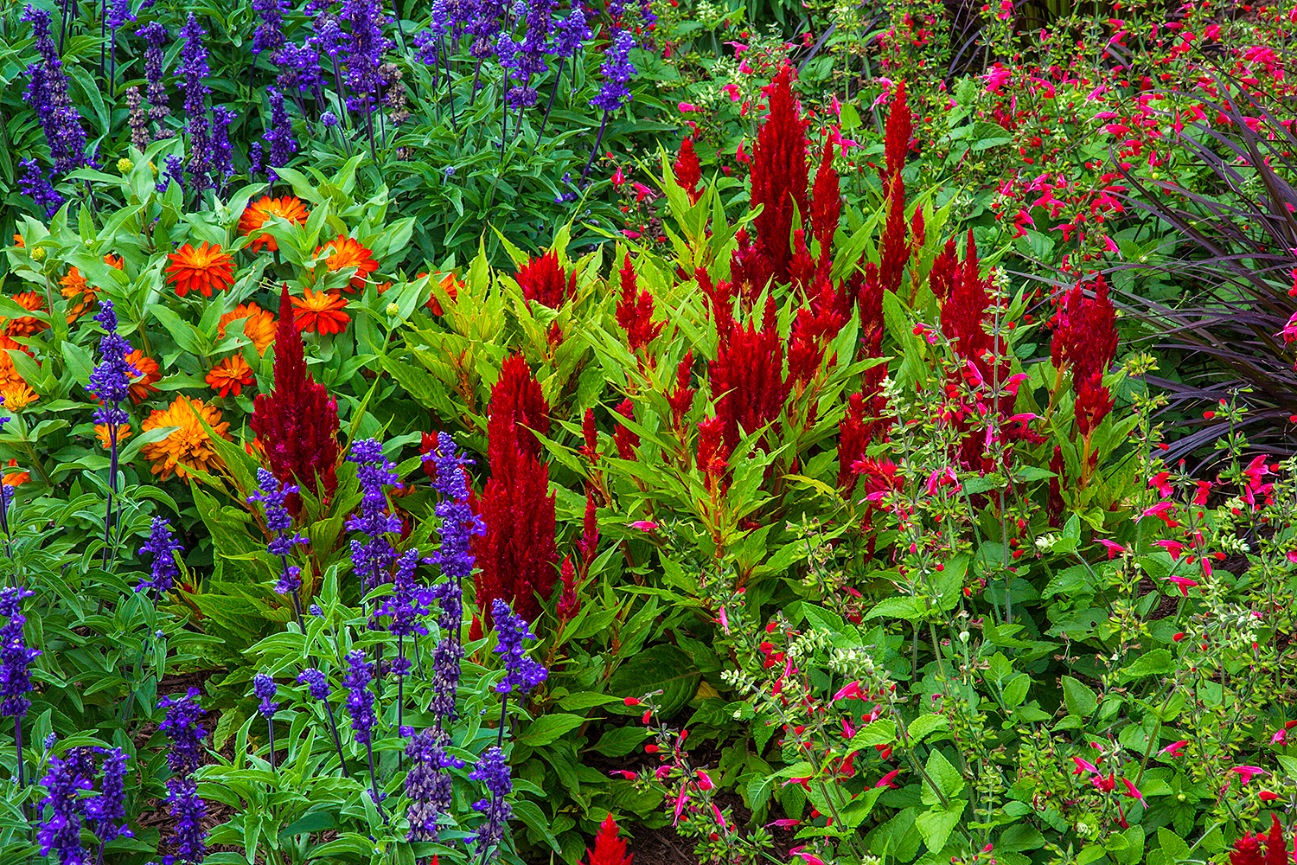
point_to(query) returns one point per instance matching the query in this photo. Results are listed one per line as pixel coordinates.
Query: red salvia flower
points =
(897, 140)
(1248, 851)
(747, 377)
(543, 280)
(297, 422)
(689, 171)
(609, 849)
(635, 311)
(895, 252)
(626, 440)
(516, 554)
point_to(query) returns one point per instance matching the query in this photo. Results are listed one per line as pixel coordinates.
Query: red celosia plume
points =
(747, 377)
(625, 439)
(609, 849)
(826, 207)
(635, 311)
(297, 421)
(898, 136)
(543, 280)
(1085, 338)
(516, 554)
(689, 171)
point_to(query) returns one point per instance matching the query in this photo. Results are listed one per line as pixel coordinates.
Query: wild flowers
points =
(183, 727)
(205, 269)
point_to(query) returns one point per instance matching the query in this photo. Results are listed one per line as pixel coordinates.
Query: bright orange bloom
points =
(147, 367)
(288, 207)
(347, 252)
(13, 479)
(115, 261)
(8, 372)
(203, 269)
(320, 312)
(449, 284)
(17, 395)
(188, 447)
(230, 376)
(80, 294)
(258, 324)
(101, 433)
(27, 325)
(19, 242)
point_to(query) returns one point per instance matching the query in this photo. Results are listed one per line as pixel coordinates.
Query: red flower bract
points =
(516, 554)
(543, 280)
(297, 422)
(688, 171)
(608, 848)
(635, 311)
(747, 376)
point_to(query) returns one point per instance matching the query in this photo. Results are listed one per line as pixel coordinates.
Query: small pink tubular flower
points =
(850, 691)
(1184, 584)
(1084, 766)
(1175, 749)
(644, 525)
(1114, 549)
(1133, 792)
(807, 858)
(1247, 773)
(888, 779)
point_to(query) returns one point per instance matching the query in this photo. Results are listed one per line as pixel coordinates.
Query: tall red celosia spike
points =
(942, 276)
(826, 206)
(568, 603)
(918, 232)
(713, 454)
(869, 298)
(1276, 849)
(590, 448)
(747, 377)
(297, 422)
(895, 252)
(813, 329)
(1054, 503)
(853, 438)
(589, 543)
(516, 554)
(1247, 851)
(635, 311)
(543, 280)
(779, 174)
(682, 398)
(720, 296)
(1085, 333)
(1093, 403)
(626, 440)
(609, 849)
(689, 171)
(897, 138)
(516, 407)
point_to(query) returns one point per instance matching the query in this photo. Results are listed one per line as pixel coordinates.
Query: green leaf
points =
(906, 608)
(1155, 663)
(586, 700)
(620, 741)
(935, 826)
(924, 725)
(880, 732)
(549, 728)
(944, 776)
(663, 667)
(1080, 700)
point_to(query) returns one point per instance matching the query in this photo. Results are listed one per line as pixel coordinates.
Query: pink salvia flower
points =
(1114, 549)
(1084, 766)
(850, 691)
(1247, 773)
(644, 525)
(1133, 792)
(1175, 749)
(888, 779)
(807, 858)
(1184, 584)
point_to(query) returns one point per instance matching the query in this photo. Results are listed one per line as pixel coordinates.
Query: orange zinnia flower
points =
(115, 261)
(147, 367)
(19, 242)
(13, 479)
(101, 433)
(320, 312)
(203, 269)
(258, 324)
(17, 395)
(255, 216)
(347, 252)
(230, 376)
(449, 284)
(8, 372)
(27, 325)
(80, 294)
(188, 447)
